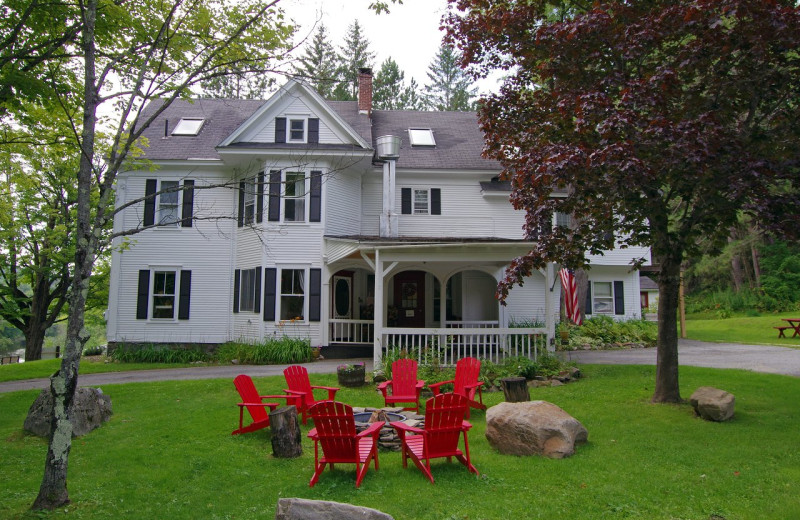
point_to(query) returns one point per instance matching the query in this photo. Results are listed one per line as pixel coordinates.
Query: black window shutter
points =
(270, 291)
(240, 218)
(405, 201)
(280, 129)
(314, 294)
(313, 130)
(588, 298)
(257, 302)
(185, 295)
(188, 203)
(150, 202)
(436, 201)
(316, 196)
(236, 277)
(619, 298)
(274, 211)
(260, 198)
(143, 294)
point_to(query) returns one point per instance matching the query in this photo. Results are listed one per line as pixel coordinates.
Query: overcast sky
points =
(409, 33)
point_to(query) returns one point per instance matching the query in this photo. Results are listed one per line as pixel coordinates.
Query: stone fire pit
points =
(388, 441)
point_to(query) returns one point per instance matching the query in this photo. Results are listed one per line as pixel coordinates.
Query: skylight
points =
(421, 137)
(188, 126)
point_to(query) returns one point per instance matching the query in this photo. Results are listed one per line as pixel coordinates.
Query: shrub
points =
(94, 351)
(604, 331)
(157, 354)
(273, 351)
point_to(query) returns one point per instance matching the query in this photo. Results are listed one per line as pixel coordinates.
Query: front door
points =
(409, 299)
(342, 304)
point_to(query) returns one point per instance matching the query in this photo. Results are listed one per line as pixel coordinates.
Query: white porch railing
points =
(450, 345)
(352, 331)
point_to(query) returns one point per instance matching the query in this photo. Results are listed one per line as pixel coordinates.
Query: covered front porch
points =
(432, 296)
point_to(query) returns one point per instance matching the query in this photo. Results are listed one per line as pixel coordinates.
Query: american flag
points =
(573, 310)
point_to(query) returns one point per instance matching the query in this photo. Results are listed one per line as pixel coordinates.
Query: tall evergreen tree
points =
(238, 84)
(410, 98)
(318, 65)
(449, 87)
(353, 55)
(388, 87)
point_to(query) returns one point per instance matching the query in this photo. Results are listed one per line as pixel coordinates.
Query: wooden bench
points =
(7, 360)
(781, 330)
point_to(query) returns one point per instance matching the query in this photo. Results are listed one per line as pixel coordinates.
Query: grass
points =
(752, 330)
(47, 367)
(167, 453)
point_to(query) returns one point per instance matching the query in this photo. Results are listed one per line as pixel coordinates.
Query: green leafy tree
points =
(126, 55)
(449, 87)
(388, 87)
(353, 55)
(661, 121)
(319, 63)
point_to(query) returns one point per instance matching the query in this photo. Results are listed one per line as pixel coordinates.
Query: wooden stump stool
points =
(286, 440)
(515, 389)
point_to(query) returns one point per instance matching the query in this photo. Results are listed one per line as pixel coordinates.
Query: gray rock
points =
(90, 408)
(533, 428)
(713, 404)
(302, 509)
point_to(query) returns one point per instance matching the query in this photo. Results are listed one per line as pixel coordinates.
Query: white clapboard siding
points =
(527, 302)
(204, 249)
(342, 196)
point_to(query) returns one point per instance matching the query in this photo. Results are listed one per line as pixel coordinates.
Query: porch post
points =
(378, 312)
(550, 322)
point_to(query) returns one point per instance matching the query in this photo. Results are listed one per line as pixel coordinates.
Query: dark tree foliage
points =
(354, 55)
(388, 87)
(318, 64)
(663, 120)
(449, 87)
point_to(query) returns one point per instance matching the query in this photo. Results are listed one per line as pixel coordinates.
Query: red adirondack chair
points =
(255, 405)
(335, 431)
(466, 382)
(300, 387)
(444, 424)
(404, 384)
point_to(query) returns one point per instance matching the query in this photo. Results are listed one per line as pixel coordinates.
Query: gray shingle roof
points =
(458, 139)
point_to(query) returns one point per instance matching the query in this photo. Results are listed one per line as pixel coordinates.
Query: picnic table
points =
(793, 323)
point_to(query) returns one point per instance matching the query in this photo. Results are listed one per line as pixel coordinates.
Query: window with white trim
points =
(602, 298)
(250, 192)
(163, 294)
(168, 214)
(188, 126)
(297, 130)
(292, 294)
(421, 202)
(421, 137)
(248, 290)
(294, 197)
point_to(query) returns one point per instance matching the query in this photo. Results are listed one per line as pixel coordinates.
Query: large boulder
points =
(713, 404)
(302, 509)
(533, 428)
(90, 408)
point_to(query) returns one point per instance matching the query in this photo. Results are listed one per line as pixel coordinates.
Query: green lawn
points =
(755, 330)
(47, 367)
(167, 453)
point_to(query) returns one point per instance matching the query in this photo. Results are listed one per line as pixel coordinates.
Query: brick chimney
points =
(365, 91)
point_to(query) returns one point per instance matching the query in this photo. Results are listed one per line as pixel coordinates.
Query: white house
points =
(299, 216)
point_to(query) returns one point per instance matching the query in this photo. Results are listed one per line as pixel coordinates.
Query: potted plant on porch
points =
(351, 375)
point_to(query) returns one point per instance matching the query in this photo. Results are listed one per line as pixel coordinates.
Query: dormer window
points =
(188, 126)
(421, 137)
(297, 130)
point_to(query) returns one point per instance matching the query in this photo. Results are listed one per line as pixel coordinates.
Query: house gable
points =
(271, 124)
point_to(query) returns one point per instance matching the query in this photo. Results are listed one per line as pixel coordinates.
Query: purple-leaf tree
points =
(663, 121)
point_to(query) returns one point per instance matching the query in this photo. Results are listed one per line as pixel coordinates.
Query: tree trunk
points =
(53, 490)
(286, 438)
(667, 388)
(756, 265)
(515, 389)
(34, 340)
(736, 266)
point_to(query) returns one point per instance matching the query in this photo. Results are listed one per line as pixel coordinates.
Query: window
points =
(292, 295)
(603, 298)
(563, 219)
(247, 290)
(168, 204)
(164, 294)
(249, 201)
(421, 206)
(188, 126)
(294, 202)
(297, 130)
(421, 137)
